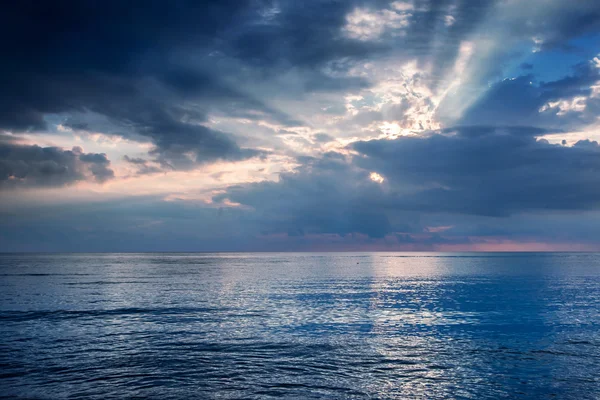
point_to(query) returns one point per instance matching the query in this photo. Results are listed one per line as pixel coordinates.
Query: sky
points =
(284, 125)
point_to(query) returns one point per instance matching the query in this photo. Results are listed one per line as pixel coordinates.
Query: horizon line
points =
(306, 251)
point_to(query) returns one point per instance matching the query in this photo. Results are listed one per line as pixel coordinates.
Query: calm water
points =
(374, 325)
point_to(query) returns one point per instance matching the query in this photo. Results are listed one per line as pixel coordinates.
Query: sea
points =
(300, 326)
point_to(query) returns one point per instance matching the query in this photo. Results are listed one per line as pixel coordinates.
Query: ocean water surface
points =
(300, 325)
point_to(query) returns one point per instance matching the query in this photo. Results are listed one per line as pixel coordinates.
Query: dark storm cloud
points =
(28, 166)
(574, 20)
(117, 59)
(498, 172)
(159, 67)
(521, 100)
(72, 42)
(478, 171)
(324, 195)
(300, 34)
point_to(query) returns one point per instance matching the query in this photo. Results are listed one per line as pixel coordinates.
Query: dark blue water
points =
(334, 326)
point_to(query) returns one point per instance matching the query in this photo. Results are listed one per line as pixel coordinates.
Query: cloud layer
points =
(32, 166)
(300, 125)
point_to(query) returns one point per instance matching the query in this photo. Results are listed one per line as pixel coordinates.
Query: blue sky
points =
(285, 125)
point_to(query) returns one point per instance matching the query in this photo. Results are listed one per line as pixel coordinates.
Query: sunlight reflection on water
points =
(370, 325)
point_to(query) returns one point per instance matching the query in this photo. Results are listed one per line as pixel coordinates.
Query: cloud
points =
(144, 167)
(67, 53)
(35, 166)
(123, 224)
(324, 195)
(153, 224)
(323, 138)
(436, 111)
(160, 72)
(496, 172)
(566, 102)
(122, 62)
(363, 24)
(478, 171)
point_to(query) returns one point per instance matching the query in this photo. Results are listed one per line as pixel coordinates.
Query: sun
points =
(375, 177)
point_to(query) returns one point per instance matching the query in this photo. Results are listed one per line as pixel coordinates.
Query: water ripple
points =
(309, 326)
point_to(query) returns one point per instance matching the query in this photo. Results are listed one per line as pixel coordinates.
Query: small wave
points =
(103, 283)
(17, 316)
(45, 274)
